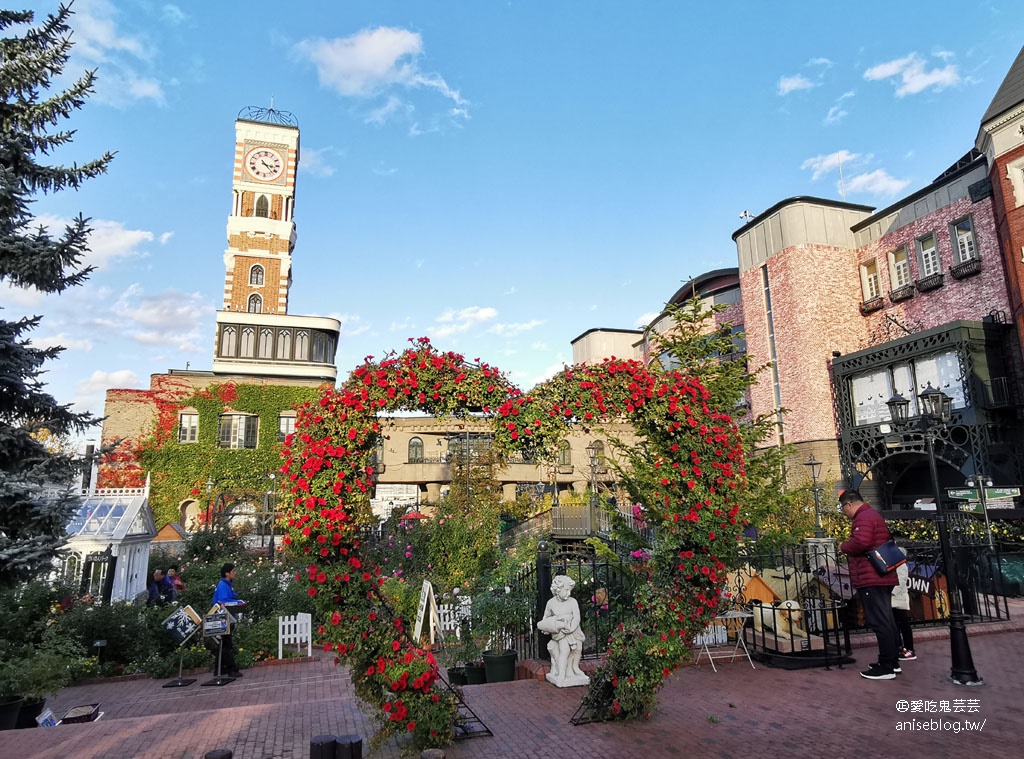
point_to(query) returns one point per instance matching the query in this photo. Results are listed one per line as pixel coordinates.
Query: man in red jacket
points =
(868, 531)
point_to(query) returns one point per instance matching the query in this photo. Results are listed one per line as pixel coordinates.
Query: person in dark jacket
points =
(868, 530)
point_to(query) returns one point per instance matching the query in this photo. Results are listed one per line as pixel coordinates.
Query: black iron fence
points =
(604, 591)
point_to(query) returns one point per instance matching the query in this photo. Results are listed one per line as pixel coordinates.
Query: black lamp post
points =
(594, 461)
(814, 467)
(936, 410)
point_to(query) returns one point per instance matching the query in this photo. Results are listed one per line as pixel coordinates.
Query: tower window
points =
(255, 304)
(284, 343)
(248, 343)
(256, 274)
(262, 206)
(302, 345)
(228, 341)
(266, 344)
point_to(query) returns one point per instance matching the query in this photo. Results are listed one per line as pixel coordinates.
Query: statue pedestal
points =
(571, 681)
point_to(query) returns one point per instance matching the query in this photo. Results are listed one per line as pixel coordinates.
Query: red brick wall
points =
(971, 298)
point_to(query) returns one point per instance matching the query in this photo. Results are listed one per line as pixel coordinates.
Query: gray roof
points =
(1010, 92)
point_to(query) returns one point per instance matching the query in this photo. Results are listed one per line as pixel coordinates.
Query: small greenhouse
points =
(109, 540)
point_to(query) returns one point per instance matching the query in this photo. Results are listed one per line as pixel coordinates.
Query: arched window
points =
(256, 275)
(266, 346)
(228, 341)
(262, 206)
(255, 304)
(302, 345)
(416, 451)
(564, 454)
(248, 343)
(284, 343)
(598, 447)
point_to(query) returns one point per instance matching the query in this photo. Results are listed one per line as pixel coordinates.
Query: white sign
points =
(427, 609)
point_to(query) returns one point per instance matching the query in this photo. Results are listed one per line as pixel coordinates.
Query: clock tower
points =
(256, 335)
(261, 227)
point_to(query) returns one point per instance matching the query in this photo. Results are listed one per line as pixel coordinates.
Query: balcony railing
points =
(872, 305)
(932, 282)
(966, 269)
(902, 293)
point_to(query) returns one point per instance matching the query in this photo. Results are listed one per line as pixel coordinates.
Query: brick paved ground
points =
(738, 712)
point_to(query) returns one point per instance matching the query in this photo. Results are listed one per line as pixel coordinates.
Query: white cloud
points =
(876, 182)
(165, 237)
(823, 164)
(170, 318)
(22, 297)
(644, 319)
(101, 381)
(376, 62)
(62, 341)
(788, 84)
(823, 62)
(351, 324)
(515, 328)
(836, 113)
(453, 322)
(109, 239)
(913, 75)
(98, 40)
(172, 14)
(510, 291)
(314, 161)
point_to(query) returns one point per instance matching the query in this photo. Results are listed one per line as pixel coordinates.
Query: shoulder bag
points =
(886, 557)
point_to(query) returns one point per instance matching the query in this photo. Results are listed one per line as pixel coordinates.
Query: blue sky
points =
(500, 177)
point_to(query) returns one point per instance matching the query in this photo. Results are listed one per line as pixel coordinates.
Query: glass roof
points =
(114, 514)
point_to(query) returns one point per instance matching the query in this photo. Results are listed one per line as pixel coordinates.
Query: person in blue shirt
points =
(225, 595)
(160, 592)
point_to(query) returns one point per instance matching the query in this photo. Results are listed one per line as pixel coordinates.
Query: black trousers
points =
(902, 617)
(227, 655)
(877, 604)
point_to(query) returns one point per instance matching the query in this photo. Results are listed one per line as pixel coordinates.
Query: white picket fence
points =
(297, 629)
(450, 616)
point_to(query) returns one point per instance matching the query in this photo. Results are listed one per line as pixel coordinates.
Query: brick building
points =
(854, 305)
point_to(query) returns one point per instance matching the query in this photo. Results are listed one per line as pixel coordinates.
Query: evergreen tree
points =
(32, 515)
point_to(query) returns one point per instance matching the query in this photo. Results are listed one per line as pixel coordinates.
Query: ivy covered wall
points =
(180, 471)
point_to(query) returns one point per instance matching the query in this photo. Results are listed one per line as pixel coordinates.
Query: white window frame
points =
(285, 426)
(238, 431)
(931, 264)
(900, 270)
(188, 427)
(960, 242)
(871, 284)
(254, 300)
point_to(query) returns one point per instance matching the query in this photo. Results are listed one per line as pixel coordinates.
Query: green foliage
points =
(32, 520)
(181, 470)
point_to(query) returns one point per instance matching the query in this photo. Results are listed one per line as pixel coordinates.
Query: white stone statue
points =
(562, 622)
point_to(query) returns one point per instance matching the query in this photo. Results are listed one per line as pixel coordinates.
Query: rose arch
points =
(686, 471)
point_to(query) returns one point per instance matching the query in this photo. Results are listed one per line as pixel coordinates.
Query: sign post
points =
(182, 625)
(217, 624)
(978, 499)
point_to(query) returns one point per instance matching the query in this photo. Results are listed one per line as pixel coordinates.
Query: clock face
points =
(264, 164)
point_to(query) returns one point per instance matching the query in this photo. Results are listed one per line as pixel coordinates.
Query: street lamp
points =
(814, 467)
(592, 451)
(936, 410)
